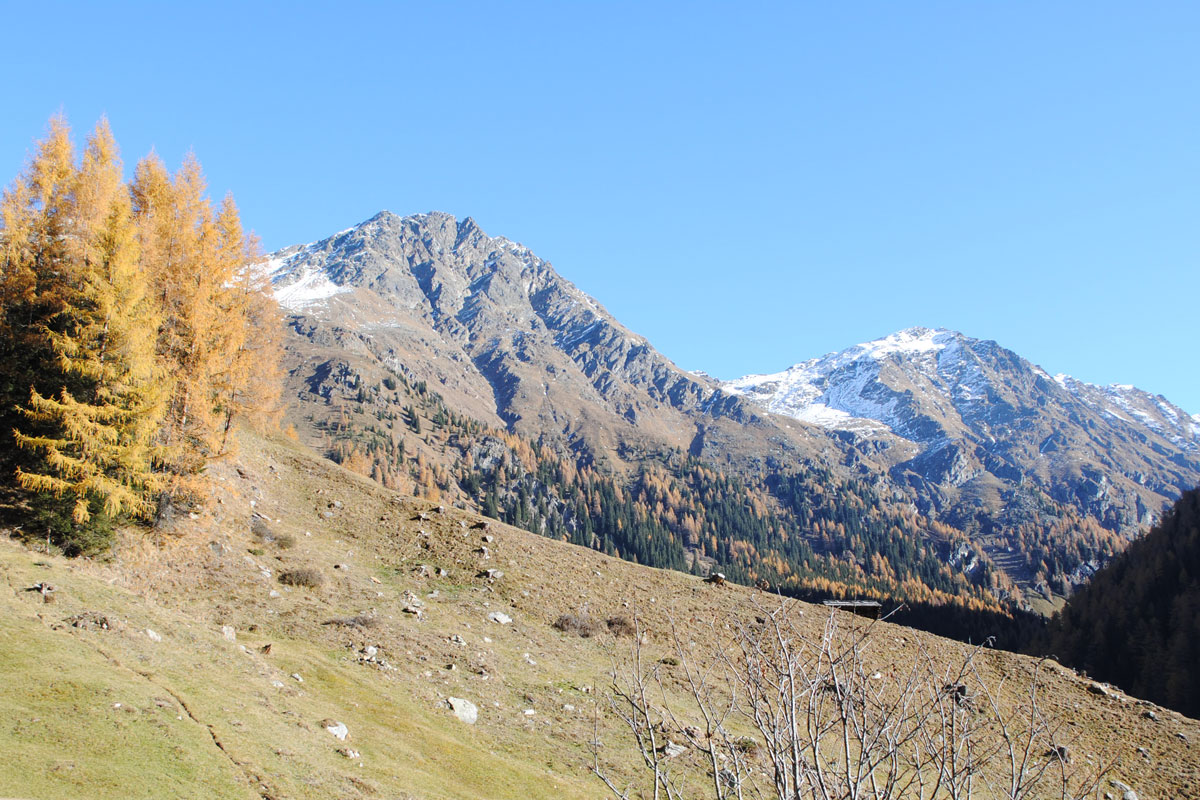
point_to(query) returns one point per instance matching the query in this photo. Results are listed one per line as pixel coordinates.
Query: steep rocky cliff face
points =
(502, 336)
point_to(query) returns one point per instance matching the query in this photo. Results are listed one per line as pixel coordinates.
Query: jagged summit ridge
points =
(1135, 406)
(495, 327)
(306, 275)
(842, 390)
(857, 389)
(986, 420)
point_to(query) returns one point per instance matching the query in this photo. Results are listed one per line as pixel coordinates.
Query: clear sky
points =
(746, 184)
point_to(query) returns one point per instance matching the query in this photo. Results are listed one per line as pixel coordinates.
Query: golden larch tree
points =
(93, 407)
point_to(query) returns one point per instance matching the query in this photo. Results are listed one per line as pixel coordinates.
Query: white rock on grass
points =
(500, 617)
(1126, 792)
(154, 637)
(465, 710)
(229, 633)
(673, 750)
(337, 729)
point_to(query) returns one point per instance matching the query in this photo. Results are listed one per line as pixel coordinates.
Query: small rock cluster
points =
(369, 654)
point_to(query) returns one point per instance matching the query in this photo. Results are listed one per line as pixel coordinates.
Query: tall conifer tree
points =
(93, 434)
(34, 212)
(134, 330)
(218, 333)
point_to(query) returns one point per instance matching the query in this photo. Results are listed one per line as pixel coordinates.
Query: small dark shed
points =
(864, 608)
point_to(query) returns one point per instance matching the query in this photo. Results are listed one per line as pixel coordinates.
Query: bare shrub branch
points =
(769, 709)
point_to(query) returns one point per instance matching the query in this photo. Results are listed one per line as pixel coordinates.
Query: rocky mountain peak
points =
(986, 420)
(486, 316)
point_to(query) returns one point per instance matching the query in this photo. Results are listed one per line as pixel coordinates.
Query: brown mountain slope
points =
(501, 336)
(983, 446)
(118, 712)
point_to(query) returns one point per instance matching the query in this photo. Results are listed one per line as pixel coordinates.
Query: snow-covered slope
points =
(1132, 405)
(856, 389)
(842, 390)
(985, 417)
(297, 287)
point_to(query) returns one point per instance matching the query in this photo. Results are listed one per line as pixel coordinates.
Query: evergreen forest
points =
(1137, 622)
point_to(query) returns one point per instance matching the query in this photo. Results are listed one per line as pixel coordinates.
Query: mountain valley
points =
(1022, 483)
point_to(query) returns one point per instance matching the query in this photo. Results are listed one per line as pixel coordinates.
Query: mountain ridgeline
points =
(983, 421)
(448, 363)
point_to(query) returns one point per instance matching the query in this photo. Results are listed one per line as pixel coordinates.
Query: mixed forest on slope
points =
(803, 530)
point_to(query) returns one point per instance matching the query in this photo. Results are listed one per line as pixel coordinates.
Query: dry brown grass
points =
(202, 578)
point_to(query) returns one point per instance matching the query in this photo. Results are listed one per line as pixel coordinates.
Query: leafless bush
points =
(778, 712)
(285, 541)
(579, 624)
(621, 626)
(302, 576)
(261, 530)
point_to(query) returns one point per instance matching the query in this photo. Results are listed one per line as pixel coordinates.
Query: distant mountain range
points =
(983, 417)
(959, 430)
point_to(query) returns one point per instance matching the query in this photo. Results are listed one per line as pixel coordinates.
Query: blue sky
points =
(747, 185)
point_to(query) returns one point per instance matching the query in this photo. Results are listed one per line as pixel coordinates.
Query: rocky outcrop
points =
(494, 329)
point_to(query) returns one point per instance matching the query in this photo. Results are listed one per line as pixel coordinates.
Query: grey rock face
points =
(465, 710)
(986, 420)
(512, 337)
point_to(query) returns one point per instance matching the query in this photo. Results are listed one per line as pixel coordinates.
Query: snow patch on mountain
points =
(910, 340)
(836, 419)
(313, 287)
(296, 290)
(1134, 406)
(837, 390)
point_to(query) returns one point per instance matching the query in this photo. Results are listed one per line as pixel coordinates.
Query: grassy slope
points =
(201, 716)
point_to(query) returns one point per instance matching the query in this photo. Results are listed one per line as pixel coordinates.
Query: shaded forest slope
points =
(1137, 624)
